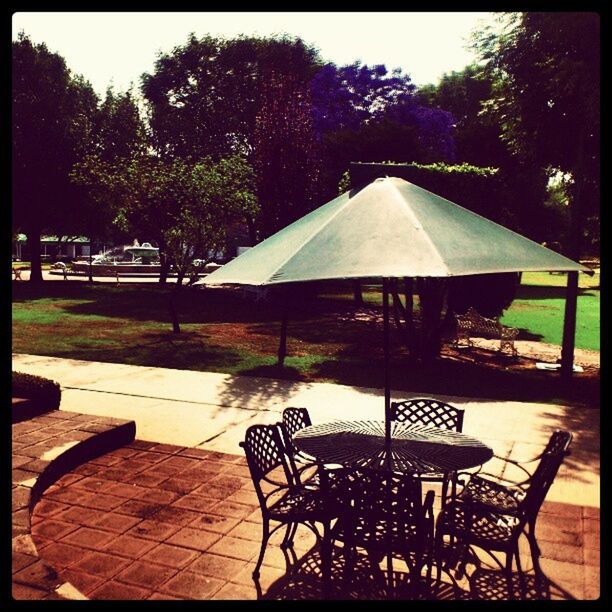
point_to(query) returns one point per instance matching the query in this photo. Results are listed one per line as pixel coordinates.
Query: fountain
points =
(135, 259)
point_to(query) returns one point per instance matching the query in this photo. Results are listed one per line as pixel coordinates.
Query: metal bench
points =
(474, 324)
(17, 273)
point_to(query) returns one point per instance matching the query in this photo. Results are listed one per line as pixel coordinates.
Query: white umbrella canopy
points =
(390, 228)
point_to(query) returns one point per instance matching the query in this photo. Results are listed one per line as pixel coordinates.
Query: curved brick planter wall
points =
(44, 449)
(24, 409)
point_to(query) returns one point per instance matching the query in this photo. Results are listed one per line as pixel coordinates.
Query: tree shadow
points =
(184, 351)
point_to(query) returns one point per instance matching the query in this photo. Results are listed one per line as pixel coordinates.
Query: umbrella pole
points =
(386, 351)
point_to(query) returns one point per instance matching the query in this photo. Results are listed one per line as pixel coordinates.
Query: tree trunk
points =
(432, 302)
(172, 300)
(252, 231)
(358, 295)
(164, 268)
(34, 245)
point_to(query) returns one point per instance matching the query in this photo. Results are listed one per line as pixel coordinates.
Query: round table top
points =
(414, 448)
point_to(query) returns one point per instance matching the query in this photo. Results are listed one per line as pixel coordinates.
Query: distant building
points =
(52, 248)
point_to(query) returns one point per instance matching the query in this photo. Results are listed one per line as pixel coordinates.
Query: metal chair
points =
(384, 513)
(295, 419)
(284, 499)
(493, 514)
(429, 411)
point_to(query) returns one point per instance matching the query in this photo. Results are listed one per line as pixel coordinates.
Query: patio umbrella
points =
(389, 229)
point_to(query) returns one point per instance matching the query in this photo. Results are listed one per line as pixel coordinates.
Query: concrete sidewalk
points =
(211, 411)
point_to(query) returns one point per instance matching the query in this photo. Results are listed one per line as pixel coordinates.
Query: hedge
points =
(44, 392)
(481, 190)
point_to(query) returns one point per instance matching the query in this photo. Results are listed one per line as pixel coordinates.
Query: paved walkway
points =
(211, 411)
(173, 514)
(157, 521)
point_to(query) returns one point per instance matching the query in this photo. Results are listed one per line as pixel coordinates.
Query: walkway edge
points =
(83, 439)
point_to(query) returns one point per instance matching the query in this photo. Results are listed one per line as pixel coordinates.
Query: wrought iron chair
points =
(281, 496)
(492, 514)
(385, 514)
(295, 419)
(429, 411)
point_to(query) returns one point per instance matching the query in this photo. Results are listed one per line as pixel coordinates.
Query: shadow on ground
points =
(367, 581)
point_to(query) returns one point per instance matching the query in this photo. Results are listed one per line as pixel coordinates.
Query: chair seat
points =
(477, 524)
(299, 504)
(374, 533)
(492, 494)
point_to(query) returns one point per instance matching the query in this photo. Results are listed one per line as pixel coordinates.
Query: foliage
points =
(286, 156)
(44, 392)
(368, 113)
(347, 97)
(476, 134)
(489, 294)
(204, 96)
(546, 71)
(184, 207)
(118, 135)
(53, 113)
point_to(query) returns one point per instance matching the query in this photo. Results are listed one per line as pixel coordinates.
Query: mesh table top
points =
(414, 449)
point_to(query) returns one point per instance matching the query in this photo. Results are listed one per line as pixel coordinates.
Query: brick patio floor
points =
(155, 521)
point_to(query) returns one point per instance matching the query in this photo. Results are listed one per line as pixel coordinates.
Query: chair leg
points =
(521, 575)
(326, 559)
(264, 543)
(508, 572)
(535, 549)
(289, 535)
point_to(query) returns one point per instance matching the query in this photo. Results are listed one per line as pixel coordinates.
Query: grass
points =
(539, 309)
(222, 332)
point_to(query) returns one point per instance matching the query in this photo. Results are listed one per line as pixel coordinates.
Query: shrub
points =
(44, 392)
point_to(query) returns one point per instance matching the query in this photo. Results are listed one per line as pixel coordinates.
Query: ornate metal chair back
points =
(428, 411)
(265, 453)
(294, 419)
(542, 478)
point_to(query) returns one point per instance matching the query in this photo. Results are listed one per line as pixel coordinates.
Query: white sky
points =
(118, 47)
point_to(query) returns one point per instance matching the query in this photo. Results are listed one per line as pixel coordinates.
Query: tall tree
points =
(477, 135)
(52, 122)
(546, 68)
(367, 113)
(118, 136)
(286, 156)
(204, 96)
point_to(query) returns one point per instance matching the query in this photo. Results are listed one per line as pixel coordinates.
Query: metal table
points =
(413, 449)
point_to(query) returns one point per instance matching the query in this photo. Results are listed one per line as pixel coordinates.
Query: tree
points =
(118, 135)
(204, 96)
(185, 208)
(366, 113)
(477, 135)
(52, 122)
(286, 156)
(546, 70)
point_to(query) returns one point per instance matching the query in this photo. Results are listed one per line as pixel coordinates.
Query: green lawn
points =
(539, 309)
(223, 332)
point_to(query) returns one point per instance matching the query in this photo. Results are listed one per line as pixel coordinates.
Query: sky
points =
(116, 48)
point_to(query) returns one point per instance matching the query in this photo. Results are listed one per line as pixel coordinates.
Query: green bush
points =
(44, 392)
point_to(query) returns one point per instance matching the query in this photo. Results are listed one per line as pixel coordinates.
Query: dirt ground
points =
(530, 351)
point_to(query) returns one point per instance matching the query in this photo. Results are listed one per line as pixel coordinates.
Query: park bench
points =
(17, 273)
(474, 324)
